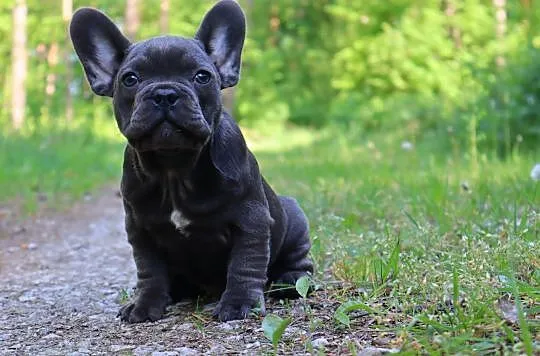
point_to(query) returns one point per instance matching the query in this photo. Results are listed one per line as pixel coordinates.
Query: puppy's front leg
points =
(248, 263)
(152, 293)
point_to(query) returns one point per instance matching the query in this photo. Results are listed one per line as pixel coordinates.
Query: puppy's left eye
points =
(203, 77)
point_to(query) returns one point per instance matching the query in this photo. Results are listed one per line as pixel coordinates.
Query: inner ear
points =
(100, 47)
(222, 34)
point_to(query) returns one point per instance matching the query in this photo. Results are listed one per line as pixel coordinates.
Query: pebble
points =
(319, 342)
(186, 351)
(253, 345)
(117, 348)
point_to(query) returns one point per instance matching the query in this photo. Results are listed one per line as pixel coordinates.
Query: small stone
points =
(225, 326)
(185, 326)
(376, 351)
(186, 351)
(51, 336)
(230, 325)
(143, 350)
(164, 353)
(319, 342)
(217, 350)
(118, 348)
(253, 345)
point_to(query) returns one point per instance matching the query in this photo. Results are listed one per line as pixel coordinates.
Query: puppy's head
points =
(166, 90)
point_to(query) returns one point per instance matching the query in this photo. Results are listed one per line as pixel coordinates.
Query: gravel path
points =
(61, 283)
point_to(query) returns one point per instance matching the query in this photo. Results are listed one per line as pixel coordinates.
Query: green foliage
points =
(341, 312)
(302, 286)
(460, 231)
(274, 327)
(56, 165)
(409, 66)
(508, 111)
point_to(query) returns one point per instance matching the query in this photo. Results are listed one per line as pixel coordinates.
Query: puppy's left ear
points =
(222, 34)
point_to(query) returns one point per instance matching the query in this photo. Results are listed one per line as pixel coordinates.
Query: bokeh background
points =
(446, 70)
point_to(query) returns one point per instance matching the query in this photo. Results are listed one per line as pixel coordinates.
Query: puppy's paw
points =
(140, 311)
(236, 309)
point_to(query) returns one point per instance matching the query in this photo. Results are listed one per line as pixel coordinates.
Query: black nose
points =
(165, 97)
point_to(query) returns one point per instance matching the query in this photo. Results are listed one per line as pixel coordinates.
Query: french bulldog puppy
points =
(198, 214)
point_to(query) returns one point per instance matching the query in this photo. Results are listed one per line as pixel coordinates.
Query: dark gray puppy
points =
(199, 216)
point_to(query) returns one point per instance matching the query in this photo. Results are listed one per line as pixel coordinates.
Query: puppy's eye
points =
(203, 77)
(130, 79)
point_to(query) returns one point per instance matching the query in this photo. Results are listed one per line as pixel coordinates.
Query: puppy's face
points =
(167, 95)
(166, 90)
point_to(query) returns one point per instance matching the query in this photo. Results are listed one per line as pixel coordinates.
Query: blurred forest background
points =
(456, 70)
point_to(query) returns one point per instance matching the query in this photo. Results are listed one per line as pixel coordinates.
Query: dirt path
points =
(61, 283)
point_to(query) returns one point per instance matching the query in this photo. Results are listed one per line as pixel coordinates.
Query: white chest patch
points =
(179, 220)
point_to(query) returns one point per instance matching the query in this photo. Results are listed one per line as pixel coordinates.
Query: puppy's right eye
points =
(130, 79)
(203, 77)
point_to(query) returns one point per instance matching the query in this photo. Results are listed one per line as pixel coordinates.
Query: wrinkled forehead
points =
(164, 53)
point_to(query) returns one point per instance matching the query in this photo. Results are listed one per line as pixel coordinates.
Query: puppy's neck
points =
(167, 164)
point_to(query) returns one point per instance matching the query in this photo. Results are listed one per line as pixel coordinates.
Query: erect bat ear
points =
(100, 46)
(222, 33)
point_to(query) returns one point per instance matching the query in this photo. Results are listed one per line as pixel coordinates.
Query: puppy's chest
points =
(179, 221)
(173, 228)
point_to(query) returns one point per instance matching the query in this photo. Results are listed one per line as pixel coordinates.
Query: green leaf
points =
(347, 307)
(302, 286)
(393, 261)
(273, 327)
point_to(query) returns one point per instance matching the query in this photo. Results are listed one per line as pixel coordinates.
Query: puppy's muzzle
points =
(166, 116)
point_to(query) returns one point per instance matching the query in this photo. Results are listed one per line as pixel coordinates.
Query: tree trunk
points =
(67, 10)
(132, 19)
(52, 62)
(449, 8)
(164, 16)
(500, 31)
(527, 6)
(19, 64)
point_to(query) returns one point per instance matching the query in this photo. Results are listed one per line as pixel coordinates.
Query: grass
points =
(433, 241)
(52, 167)
(432, 244)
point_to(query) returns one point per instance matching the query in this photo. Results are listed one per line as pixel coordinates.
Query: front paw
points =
(142, 310)
(235, 308)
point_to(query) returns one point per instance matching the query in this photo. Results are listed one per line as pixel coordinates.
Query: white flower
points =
(407, 146)
(535, 173)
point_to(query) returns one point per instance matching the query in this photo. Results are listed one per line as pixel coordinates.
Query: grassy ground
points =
(439, 248)
(52, 167)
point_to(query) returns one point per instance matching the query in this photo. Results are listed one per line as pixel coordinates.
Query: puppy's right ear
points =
(100, 46)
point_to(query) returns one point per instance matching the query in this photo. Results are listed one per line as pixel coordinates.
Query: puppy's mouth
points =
(169, 139)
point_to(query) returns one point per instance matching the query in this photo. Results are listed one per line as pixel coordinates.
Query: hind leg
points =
(293, 261)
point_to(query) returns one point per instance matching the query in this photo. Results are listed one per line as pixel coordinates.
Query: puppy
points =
(198, 214)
